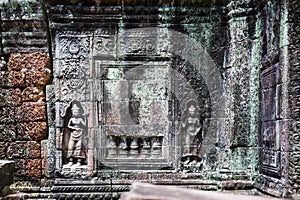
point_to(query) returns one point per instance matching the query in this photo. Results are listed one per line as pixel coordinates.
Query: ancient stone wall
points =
(274, 119)
(278, 100)
(240, 60)
(111, 53)
(25, 71)
(240, 124)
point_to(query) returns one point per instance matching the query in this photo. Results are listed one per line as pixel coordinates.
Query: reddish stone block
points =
(38, 77)
(35, 60)
(7, 132)
(15, 62)
(34, 131)
(31, 111)
(10, 97)
(23, 150)
(19, 61)
(16, 79)
(7, 115)
(33, 168)
(27, 169)
(35, 94)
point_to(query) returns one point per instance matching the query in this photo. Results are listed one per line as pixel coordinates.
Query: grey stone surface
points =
(142, 191)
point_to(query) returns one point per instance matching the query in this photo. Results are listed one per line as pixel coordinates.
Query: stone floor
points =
(139, 191)
(142, 191)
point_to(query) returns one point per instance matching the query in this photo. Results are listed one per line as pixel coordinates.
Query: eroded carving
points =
(193, 135)
(104, 45)
(270, 138)
(73, 66)
(137, 107)
(134, 143)
(137, 42)
(75, 136)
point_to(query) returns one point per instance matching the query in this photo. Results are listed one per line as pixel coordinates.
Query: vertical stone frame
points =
(270, 137)
(134, 123)
(72, 70)
(275, 114)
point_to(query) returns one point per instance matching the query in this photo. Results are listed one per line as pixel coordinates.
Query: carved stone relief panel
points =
(191, 107)
(271, 149)
(72, 65)
(73, 133)
(138, 42)
(104, 43)
(115, 108)
(73, 137)
(270, 135)
(135, 127)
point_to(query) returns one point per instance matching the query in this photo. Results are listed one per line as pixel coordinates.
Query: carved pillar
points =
(240, 124)
(72, 71)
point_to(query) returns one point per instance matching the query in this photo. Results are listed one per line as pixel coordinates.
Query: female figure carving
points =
(76, 124)
(192, 127)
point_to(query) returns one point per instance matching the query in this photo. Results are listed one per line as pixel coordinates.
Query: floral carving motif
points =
(73, 61)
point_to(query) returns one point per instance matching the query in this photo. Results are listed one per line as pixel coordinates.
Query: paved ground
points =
(141, 191)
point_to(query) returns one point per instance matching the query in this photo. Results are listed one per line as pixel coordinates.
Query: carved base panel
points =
(270, 162)
(136, 163)
(110, 184)
(75, 168)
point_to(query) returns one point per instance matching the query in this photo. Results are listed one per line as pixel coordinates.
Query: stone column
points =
(240, 125)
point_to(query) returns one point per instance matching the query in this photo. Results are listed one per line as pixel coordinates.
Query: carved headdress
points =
(75, 107)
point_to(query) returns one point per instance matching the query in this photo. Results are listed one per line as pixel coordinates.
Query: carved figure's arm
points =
(184, 123)
(70, 126)
(83, 121)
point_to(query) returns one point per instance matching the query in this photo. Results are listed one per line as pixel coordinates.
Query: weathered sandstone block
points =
(34, 131)
(31, 112)
(27, 169)
(23, 149)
